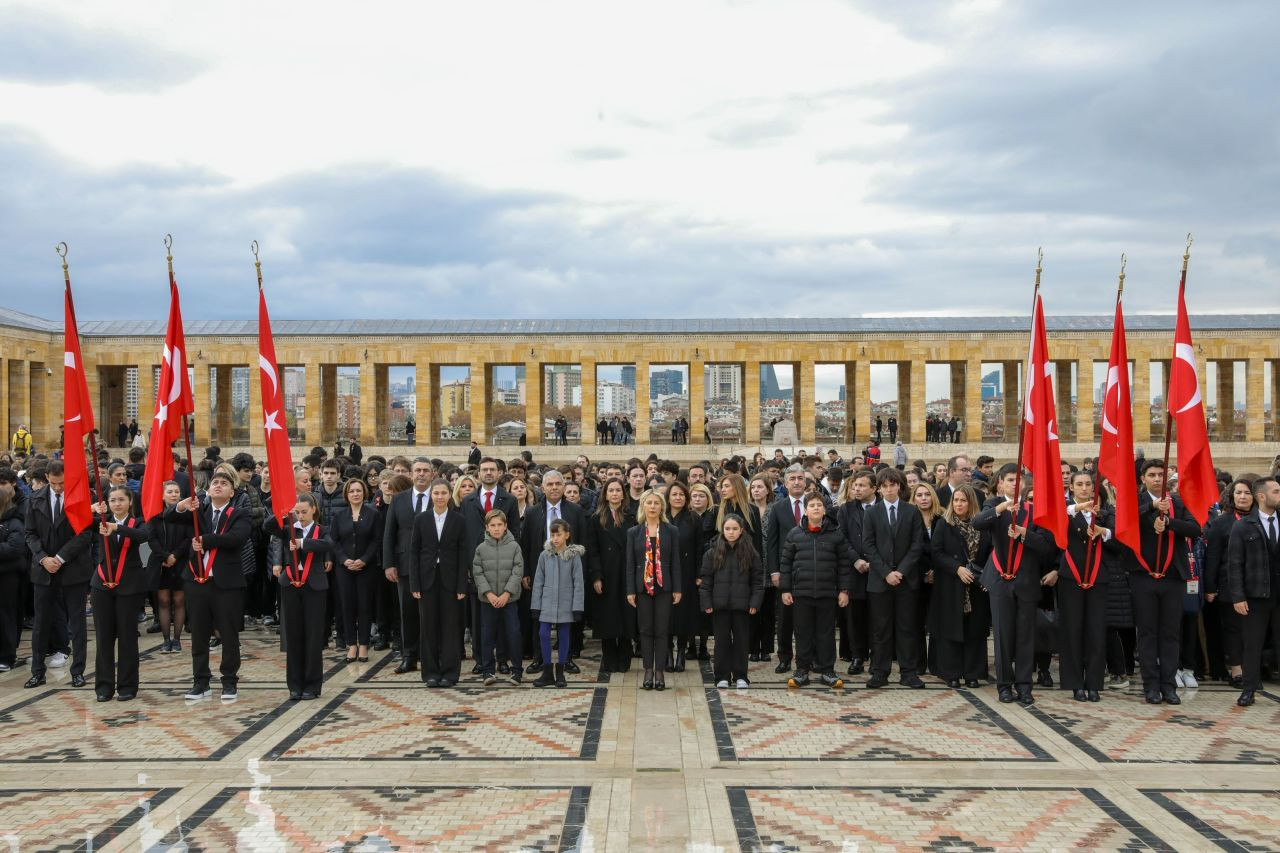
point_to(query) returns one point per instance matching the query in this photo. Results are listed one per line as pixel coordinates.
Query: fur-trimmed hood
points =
(571, 550)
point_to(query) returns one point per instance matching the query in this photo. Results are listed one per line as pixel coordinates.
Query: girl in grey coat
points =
(557, 598)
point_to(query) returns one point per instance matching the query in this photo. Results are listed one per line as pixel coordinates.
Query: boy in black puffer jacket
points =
(817, 569)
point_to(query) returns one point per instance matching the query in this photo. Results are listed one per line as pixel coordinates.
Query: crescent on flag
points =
(1113, 393)
(1184, 352)
(269, 369)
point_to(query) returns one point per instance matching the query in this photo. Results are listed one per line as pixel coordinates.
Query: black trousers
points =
(784, 619)
(208, 608)
(762, 626)
(409, 627)
(71, 600)
(1264, 613)
(387, 606)
(855, 630)
(355, 594)
(302, 624)
(731, 628)
(893, 630)
(654, 615)
(966, 657)
(1157, 616)
(115, 621)
(815, 620)
(1082, 636)
(1013, 625)
(440, 640)
(10, 616)
(1223, 636)
(615, 654)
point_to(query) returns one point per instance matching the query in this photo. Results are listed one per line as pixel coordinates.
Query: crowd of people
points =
(810, 559)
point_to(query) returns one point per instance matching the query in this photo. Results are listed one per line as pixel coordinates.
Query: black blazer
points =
(234, 533)
(356, 540)
(397, 531)
(46, 539)
(668, 553)
(1039, 551)
(887, 549)
(533, 531)
(316, 546)
(167, 539)
(1250, 559)
(134, 579)
(850, 516)
(777, 525)
(1184, 527)
(439, 558)
(473, 514)
(1216, 535)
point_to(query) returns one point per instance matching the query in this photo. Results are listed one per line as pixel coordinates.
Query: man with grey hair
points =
(535, 531)
(783, 515)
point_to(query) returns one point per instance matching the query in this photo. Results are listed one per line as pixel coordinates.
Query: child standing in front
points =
(557, 600)
(498, 570)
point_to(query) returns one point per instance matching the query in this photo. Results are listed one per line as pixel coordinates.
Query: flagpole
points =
(186, 430)
(1168, 409)
(1097, 484)
(1022, 414)
(62, 250)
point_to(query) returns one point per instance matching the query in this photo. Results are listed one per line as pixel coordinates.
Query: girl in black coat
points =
(732, 590)
(300, 560)
(170, 551)
(817, 567)
(735, 499)
(960, 613)
(684, 619)
(1081, 591)
(654, 583)
(117, 588)
(612, 621)
(355, 533)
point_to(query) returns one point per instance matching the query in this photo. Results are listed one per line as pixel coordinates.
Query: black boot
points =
(679, 664)
(703, 654)
(559, 675)
(547, 678)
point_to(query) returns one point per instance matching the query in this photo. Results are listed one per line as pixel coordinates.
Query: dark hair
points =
(494, 514)
(1152, 463)
(561, 524)
(1260, 485)
(684, 490)
(814, 496)
(1005, 470)
(55, 468)
(984, 460)
(118, 487)
(745, 548)
(603, 514)
(222, 475)
(891, 475)
(331, 465)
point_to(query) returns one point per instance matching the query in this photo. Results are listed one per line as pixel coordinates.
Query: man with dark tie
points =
(474, 507)
(1253, 578)
(437, 580)
(61, 565)
(214, 581)
(397, 556)
(783, 515)
(534, 534)
(893, 542)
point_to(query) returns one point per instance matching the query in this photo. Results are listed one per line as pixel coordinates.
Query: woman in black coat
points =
(15, 560)
(612, 620)
(117, 588)
(684, 619)
(731, 591)
(1223, 626)
(654, 583)
(817, 569)
(170, 552)
(960, 612)
(355, 532)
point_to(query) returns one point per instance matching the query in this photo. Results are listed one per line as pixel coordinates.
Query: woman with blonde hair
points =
(925, 498)
(463, 486)
(654, 582)
(961, 613)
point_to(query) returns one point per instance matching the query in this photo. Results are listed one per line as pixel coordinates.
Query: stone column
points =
(972, 399)
(1255, 377)
(589, 415)
(328, 406)
(1140, 393)
(864, 421)
(313, 411)
(253, 411)
(1012, 400)
(850, 410)
(480, 402)
(371, 408)
(697, 400)
(40, 420)
(911, 428)
(751, 402)
(202, 434)
(223, 379)
(1062, 400)
(147, 398)
(1275, 398)
(1226, 401)
(805, 404)
(424, 389)
(534, 399)
(1085, 415)
(642, 402)
(7, 426)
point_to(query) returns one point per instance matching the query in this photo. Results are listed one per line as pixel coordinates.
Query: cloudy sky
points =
(692, 158)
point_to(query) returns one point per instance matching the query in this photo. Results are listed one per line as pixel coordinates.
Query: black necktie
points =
(1271, 534)
(418, 508)
(893, 515)
(217, 513)
(57, 507)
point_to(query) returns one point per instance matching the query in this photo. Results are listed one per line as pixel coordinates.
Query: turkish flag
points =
(284, 489)
(77, 424)
(1040, 454)
(1115, 455)
(173, 400)
(1197, 483)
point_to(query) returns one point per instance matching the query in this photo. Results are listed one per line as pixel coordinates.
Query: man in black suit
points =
(893, 542)
(1158, 583)
(535, 531)
(437, 572)
(959, 472)
(783, 515)
(397, 556)
(61, 565)
(1253, 579)
(474, 506)
(474, 457)
(851, 516)
(214, 582)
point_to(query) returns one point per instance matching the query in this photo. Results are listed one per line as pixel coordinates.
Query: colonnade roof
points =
(668, 326)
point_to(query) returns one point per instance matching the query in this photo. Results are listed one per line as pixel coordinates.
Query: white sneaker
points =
(1189, 679)
(722, 684)
(1177, 678)
(57, 660)
(742, 684)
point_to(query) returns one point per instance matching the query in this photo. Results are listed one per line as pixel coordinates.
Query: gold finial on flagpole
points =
(1123, 262)
(257, 264)
(61, 249)
(1039, 266)
(168, 248)
(1186, 256)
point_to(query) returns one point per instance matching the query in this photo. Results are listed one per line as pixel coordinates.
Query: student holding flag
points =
(302, 567)
(119, 585)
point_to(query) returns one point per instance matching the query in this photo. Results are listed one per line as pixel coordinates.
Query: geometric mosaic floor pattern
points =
(380, 762)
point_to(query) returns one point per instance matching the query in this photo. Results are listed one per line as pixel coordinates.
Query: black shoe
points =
(1246, 699)
(1025, 699)
(659, 681)
(832, 680)
(571, 667)
(972, 683)
(1093, 696)
(447, 682)
(1237, 681)
(1044, 679)
(1171, 698)
(504, 669)
(104, 697)
(703, 654)
(912, 681)
(547, 678)
(753, 657)
(294, 696)
(1005, 693)
(536, 666)
(381, 646)
(876, 681)
(307, 696)
(477, 669)
(765, 657)
(125, 697)
(800, 679)
(559, 675)
(783, 666)
(431, 682)
(34, 681)
(1078, 695)
(648, 679)
(153, 628)
(857, 667)
(77, 681)
(364, 659)
(953, 683)
(406, 665)
(678, 666)
(1153, 697)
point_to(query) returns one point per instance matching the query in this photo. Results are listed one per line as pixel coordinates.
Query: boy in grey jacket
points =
(498, 569)
(557, 600)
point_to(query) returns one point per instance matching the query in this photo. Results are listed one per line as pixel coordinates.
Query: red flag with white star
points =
(1197, 482)
(284, 489)
(77, 424)
(1040, 453)
(173, 400)
(1115, 455)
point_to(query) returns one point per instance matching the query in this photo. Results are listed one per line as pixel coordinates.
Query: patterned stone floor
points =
(379, 762)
